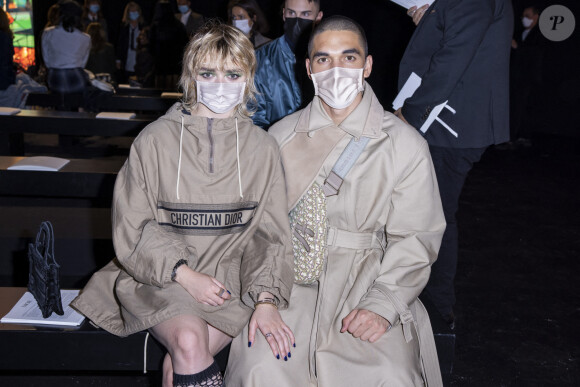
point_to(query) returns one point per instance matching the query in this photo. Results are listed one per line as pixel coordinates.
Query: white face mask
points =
(339, 86)
(220, 97)
(243, 25)
(527, 22)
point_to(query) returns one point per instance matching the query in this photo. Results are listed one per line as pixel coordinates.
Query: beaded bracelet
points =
(174, 272)
(269, 301)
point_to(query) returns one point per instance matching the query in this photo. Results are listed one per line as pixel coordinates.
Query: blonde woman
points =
(200, 226)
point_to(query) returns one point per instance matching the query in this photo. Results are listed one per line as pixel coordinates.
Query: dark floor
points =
(518, 299)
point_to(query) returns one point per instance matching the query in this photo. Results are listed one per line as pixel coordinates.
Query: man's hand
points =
(399, 114)
(417, 13)
(202, 287)
(366, 325)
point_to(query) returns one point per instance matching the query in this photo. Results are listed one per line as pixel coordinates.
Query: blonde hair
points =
(221, 45)
(136, 6)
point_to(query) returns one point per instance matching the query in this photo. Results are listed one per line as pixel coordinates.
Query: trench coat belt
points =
(355, 240)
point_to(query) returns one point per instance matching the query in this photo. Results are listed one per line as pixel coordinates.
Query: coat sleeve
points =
(414, 228)
(268, 260)
(145, 250)
(261, 106)
(464, 24)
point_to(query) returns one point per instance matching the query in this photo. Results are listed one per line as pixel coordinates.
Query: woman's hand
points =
(267, 319)
(203, 288)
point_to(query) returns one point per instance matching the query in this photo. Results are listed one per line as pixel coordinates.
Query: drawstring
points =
(238, 159)
(179, 163)
(145, 354)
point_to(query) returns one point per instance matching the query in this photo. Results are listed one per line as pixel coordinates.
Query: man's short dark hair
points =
(339, 23)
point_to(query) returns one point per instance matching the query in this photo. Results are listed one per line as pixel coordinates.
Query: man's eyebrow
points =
(319, 53)
(351, 51)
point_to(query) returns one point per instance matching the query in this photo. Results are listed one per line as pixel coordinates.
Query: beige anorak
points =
(178, 196)
(391, 196)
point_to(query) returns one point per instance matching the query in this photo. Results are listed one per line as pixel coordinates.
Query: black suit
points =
(461, 51)
(525, 76)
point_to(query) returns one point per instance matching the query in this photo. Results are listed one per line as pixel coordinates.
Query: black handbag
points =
(43, 278)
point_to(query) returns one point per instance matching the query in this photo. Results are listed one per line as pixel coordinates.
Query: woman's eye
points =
(234, 76)
(206, 75)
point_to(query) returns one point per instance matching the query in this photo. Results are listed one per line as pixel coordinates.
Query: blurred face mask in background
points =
(183, 8)
(243, 25)
(134, 15)
(527, 22)
(94, 8)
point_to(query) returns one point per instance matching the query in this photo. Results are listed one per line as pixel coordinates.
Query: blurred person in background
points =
(247, 16)
(92, 13)
(192, 21)
(65, 49)
(167, 40)
(133, 23)
(102, 55)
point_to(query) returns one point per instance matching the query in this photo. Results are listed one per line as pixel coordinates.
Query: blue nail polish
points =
(229, 292)
(289, 354)
(249, 343)
(294, 345)
(285, 358)
(278, 357)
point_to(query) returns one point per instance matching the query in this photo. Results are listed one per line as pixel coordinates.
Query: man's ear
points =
(307, 63)
(368, 66)
(318, 17)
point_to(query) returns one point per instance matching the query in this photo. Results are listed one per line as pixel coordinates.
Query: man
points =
(358, 324)
(460, 49)
(526, 74)
(191, 20)
(279, 91)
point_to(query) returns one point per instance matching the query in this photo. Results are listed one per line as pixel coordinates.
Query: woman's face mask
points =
(243, 25)
(220, 97)
(183, 8)
(134, 15)
(338, 86)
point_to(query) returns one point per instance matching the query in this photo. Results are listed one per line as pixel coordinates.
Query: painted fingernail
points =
(229, 292)
(249, 343)
(289, 354)
(285, 358)
(278, 357)
(294, 345)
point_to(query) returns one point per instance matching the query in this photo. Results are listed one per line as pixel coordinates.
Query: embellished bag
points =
(309, 227)
(43, 277)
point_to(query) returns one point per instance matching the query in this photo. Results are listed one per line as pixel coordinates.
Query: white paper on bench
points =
(409, 3)
(116, 115)
(26, 311)
(8, 111)
(39, 163)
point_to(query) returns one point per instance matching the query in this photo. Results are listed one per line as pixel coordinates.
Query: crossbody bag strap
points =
(343, 165)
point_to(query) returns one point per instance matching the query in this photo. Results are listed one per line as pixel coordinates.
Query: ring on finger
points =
(221, 292)
(268, 335)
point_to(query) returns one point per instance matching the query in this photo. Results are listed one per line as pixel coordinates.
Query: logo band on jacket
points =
(206, 219)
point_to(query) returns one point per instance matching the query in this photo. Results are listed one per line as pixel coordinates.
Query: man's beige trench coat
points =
(390, 198)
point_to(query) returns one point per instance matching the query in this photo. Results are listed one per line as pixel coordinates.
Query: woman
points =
(199, 222)
(133, 24)
(92, 13)
(65, 50)
(102, 56)
(247, 16)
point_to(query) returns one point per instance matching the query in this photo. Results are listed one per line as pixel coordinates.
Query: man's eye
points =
(322, 60)
(351, 58)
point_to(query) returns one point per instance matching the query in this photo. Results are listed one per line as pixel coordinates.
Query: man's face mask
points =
(527, 22)
(339, 86)
(220, 97)
(295, 28)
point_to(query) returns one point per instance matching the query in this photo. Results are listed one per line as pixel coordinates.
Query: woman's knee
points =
(188, 343)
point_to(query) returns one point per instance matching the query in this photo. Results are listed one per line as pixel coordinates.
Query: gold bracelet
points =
(269, 301)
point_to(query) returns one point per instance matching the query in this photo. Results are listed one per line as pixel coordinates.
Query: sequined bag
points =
(309, 227)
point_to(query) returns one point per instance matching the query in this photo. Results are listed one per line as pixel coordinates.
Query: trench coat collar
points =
(364, 121)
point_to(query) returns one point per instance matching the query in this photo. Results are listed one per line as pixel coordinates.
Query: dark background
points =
(388, 30)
